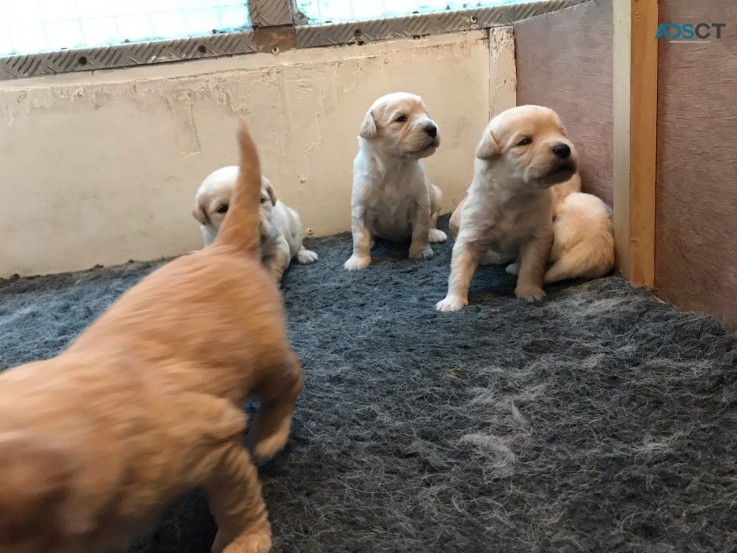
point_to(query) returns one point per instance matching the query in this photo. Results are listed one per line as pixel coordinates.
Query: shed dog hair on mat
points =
(98, 442)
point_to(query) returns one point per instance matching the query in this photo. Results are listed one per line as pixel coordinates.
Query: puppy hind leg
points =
(305, 256)
(436, 197)
(278, 394)
(578, 262)
(278, 261)
(234, 494)
(420, 246)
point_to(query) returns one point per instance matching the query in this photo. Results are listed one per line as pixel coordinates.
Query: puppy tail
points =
(240, 228)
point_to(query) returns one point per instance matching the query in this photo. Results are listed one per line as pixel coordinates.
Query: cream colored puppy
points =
(392, 198)
(508, 211)
(583, 238)
(281, 229)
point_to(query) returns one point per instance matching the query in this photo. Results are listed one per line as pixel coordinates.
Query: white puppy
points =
(392, 198)
(281, 229)
(508, 211)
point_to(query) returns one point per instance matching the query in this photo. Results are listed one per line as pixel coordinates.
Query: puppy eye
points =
(222, 209)
(264, 199)
(401, 119)
(524, 142)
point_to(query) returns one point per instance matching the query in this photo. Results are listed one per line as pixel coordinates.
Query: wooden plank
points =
(696, 219)
(564, 61)
(635, 89)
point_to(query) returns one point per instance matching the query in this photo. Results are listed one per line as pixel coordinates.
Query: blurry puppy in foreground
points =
(281, 229)
(392, 198)
(97, 443)
(508, 211)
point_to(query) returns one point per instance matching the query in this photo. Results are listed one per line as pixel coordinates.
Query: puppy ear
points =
(488, 148)
(272, 194)
(200, 214)
(424, 108)
(368, 126)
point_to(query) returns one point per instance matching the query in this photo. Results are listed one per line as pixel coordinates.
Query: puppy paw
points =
(264, 448)
(529, 292)
(421, 252)
(256, 542)
(437, 236)
(451, 304)
(306, 257)
(513, 269)
(357, 262)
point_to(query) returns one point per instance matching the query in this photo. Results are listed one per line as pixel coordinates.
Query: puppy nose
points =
(432, 130)
(562, 150)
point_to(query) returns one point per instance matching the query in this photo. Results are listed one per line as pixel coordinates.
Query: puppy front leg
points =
(361, 257)
(463, 265)
(234, 494)
(420, 246)
(533, 260)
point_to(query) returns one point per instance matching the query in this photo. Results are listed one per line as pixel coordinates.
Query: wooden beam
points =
(635, 125)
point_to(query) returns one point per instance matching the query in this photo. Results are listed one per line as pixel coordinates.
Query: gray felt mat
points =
(600, 420)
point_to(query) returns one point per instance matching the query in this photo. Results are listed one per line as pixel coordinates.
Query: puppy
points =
(281, 229)
(96, 443)
(508, 211)
(392, 198)
(583, 238)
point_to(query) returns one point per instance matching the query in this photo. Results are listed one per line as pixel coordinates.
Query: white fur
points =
(392, 198)
(281, 229)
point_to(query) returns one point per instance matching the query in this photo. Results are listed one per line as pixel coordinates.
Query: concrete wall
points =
(102, 168)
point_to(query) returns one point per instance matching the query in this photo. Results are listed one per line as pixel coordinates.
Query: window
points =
(329, 11)
(35, 26)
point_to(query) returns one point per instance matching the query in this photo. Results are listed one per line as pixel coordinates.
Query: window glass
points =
(33, 26)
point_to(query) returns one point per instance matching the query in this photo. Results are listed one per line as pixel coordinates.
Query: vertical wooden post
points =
(635, 127)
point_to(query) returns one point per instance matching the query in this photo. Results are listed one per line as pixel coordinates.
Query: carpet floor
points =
(600, 420)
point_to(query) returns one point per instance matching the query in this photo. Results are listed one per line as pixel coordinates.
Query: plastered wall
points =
(99, 169)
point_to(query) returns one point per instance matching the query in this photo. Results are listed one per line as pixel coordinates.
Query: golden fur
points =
(96, 443)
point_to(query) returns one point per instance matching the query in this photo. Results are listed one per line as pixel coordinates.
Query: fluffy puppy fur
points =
(281, 228)
(583, 237)
(583, 243)
(392, 198)
(508, 211)
(96, 443)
